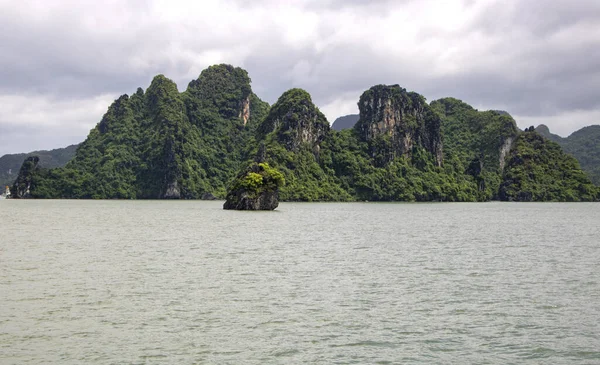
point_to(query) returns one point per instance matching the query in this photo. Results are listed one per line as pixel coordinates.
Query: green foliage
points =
(393, 120)
(257, 178)
(402, 179)
(293, 133)
(11, 163)
(165, 144)
(252, 181)
(538, 170)
(474, 141)
(583, 144)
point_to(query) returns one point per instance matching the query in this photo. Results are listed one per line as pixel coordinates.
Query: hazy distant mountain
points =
(583, 144)
(545, 131)
(10, 164)
(345, 122)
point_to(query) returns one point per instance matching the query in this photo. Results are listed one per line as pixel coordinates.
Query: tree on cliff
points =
(256, 188)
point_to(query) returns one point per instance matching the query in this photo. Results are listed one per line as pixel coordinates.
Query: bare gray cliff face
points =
(245, 110)
(403, 117)
(504, 150)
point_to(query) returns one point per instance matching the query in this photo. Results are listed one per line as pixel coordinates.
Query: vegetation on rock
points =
(163, 144)
(393, 121)
(583, 144)
(476, 143)
(539, 170)
(27, 179)
(256, 188)
(11, 163)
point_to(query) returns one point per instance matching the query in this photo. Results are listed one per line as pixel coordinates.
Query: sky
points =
(62, 62)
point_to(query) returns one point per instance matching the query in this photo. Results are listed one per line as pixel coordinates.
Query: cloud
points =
(29, 120)
(539, 61)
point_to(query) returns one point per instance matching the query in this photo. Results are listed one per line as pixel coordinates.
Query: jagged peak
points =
(161, 80)
(389, 111)
(292, 98)
(449, 106)
(116, 111)
(222, 74)
(224, 89)
(296, 120)
(543, 128)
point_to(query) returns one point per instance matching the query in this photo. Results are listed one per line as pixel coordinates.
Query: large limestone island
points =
(160, 143)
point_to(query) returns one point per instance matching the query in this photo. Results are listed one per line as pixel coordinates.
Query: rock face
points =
(245, 112)
(22, 187)
(256, 188)
(296, 121)
(162, 143)
(583, 144)
(504, 150)
(537, 169)
(390, 112)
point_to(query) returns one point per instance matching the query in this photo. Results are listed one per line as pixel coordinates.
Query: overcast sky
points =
(63, 62)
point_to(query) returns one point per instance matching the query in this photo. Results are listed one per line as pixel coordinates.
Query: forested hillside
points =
(11, 163)
(164, 144)
(583, 144)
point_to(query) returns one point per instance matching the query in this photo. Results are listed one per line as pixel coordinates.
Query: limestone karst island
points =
(161, 143)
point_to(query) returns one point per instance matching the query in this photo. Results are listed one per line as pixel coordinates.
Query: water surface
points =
(161, 282)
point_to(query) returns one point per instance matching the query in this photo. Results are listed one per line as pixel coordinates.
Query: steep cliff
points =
(163, 144)
(25, 181)
(11, 163)
(583, 144)
(396, 121)
(293, 133)
(295, 121)
(539, 170)
(476, 142)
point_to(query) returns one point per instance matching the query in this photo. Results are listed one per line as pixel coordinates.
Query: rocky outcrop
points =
(583, 144)
(11, 163)
(256, 188)
(296, 122)
(22, 186)
(504, 150)
(390, 112)
(537, 169)
(245, 112)
(172, 191)
(208, 196)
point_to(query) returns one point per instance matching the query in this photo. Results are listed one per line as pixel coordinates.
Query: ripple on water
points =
(314, 283)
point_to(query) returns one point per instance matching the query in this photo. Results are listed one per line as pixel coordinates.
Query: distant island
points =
(160, 143)
(11, 163)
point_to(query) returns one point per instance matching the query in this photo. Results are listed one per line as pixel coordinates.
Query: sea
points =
(186, 282)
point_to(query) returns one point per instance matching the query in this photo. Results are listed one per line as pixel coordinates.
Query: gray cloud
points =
(539, 60)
